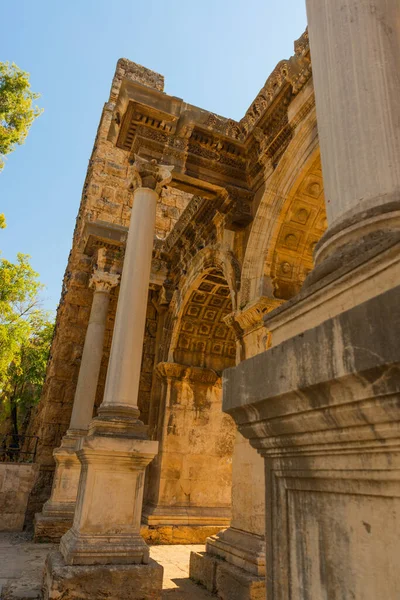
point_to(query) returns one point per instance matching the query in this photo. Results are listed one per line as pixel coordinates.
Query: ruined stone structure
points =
(231, 247)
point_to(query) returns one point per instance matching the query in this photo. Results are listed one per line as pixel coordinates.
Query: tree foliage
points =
(26, 332)
(17, 109)
(25, 374)
(19, 307)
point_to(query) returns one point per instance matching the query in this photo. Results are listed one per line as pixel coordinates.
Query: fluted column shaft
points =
(355, 49)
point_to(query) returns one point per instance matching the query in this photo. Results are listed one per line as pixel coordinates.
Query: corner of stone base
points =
(47, 529)
(227, 581)
(119, 582)
(202, 569)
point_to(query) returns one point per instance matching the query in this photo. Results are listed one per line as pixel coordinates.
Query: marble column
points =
(58, 512)
(116, 451)
(355, 50)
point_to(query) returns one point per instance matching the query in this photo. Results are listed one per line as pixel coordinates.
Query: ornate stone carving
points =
(303, 222)
(203, 375)
(151, 175)
(183, 222)
(244, 320)
(102, 281)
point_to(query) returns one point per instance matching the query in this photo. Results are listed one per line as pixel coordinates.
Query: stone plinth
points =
(106, 528)
(322, 409)
(119, 582)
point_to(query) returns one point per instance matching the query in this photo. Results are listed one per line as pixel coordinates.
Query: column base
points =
(106, 528)
(227, 581)
(108, 549)
(84, 582)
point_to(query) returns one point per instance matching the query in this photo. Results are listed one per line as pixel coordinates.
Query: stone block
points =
(119, 582)
(203, 569)
(50, 529)
(233, 583)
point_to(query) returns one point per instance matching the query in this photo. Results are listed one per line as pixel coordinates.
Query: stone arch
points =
(294, 166)
(201, 338)
(223, 271)
(300, 226)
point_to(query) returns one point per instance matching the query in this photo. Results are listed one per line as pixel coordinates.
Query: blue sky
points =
(215, 54)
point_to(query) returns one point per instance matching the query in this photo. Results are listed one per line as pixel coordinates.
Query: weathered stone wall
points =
(191, 476)
(16, 481)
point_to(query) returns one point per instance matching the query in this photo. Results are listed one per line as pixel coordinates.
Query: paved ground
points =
(21, 564)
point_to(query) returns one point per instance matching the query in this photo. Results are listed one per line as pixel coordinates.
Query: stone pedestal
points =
(58, 512)
(106, 528)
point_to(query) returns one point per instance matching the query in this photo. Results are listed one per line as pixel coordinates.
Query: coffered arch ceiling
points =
(204, 340)
(301, 224)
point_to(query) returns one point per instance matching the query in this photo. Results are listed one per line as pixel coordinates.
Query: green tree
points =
(17, 109)
(25, 375)
(19, 307)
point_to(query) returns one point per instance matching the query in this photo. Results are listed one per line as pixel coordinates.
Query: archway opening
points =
(300, 226)
(204, 340)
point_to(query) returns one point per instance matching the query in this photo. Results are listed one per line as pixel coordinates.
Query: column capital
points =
(149, 174)
(102, 281)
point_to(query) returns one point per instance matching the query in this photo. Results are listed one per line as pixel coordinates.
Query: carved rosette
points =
(102, 281)
(149, 174)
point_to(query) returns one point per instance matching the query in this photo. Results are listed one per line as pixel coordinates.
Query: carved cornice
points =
(209, 153)
(102, 281)
(149, 174)
(293, 73)
(187, 215)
